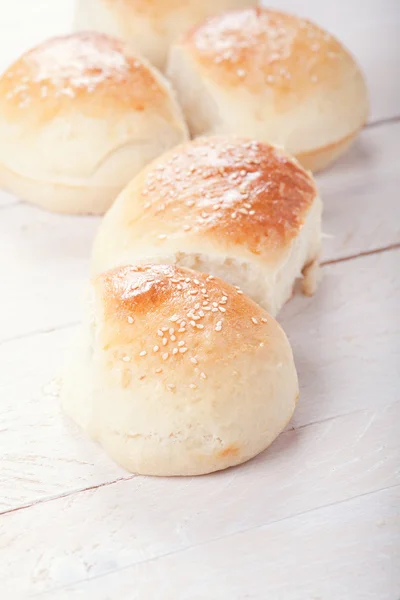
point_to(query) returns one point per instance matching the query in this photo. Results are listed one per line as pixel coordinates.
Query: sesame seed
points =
(162, 236)
(221, 309)
(203, 375)
(164, 329)
(254, 320)
(182, 350)
(192, 386)
(179, 287)
(218, 326)
(171, 331)
(175, 351)
(203, 290)
(165, 341)
(170, 386)
(181, 343)
(165, 355)
(214, 309)
(143, 353)
(194, 360)
(158, 370)
(182, 330)
(190, 203)
(239, 291)
(186, 227)
(193, 292)
(201, 313)
(200, 326)
(197, 306)
(130, 319)
(196, 281)
(126, 358)
(252, 212)
(174, 318)
(224, 298)
(193, 323)
(264, 320)
(160, 333)
(156, 348)
(183, 323)
(173, 338)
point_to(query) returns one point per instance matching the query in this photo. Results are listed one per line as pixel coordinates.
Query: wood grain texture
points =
(102, 530)
(342, 551)
(336, 336)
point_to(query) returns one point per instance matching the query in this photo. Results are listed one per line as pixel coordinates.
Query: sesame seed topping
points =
(214, 309)
(175, 351)
(143, 353)
(192, 386)
(165, 355)
(160, 333)
(170, 386)
(200, 326)
(165, 341)
(130, 319)
(203, 375)
(174, 318)
(264, 320)
(193, 323)
(194, 360)
(182, 350)
(181, 343)
(126, 358)
(159, 370)
(156, 348)
(173, 338)
(171, 331)
(162, 236)
(221, 309)
(218, 326)
(254, 320)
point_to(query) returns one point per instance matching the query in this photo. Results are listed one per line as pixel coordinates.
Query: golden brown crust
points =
(87, 70)
(164, 313)
(233, 190)
(262, 47)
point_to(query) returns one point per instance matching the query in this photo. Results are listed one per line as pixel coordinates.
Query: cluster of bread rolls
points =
(181, 368)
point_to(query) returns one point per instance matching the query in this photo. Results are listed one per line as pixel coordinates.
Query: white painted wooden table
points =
(317, 516)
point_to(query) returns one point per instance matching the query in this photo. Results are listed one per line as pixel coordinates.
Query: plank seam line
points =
(334, 261)
(132, 476)
(325, 263)
(213, 540)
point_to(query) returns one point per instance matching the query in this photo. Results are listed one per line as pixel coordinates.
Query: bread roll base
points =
(321, 158)
(56, 197)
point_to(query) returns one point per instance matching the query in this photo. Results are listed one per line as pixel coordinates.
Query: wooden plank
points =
(92, 533)
(41, 456)
(340, 371)
(51, 252)
(361, 197)
(44, 268)
(344, 551)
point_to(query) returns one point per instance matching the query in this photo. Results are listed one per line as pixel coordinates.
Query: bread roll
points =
(148, 26)
(239, 209)
(273, 76)
(79, 117)
(178, 373)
